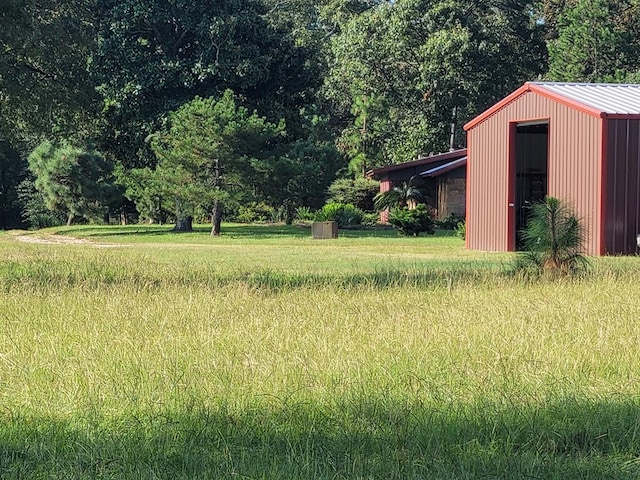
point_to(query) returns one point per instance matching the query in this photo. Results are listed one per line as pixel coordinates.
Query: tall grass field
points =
(135, 353)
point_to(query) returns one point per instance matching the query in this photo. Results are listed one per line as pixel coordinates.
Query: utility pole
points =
(452, 137)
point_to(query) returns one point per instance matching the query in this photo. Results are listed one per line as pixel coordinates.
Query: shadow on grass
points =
(445, 275)
(56, 273)
(370, 438)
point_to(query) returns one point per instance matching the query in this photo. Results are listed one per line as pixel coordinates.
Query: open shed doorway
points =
(531, 168)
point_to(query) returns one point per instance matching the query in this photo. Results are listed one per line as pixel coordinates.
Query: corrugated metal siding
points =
(575, 140)
(573, 173)
(622, 207)
(487, 185)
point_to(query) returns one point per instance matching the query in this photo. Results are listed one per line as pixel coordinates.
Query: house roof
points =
(447, 167)
(597, 99)
(427, 160)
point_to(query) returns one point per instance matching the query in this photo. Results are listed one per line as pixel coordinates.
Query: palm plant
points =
(399, 197)
(553, 238)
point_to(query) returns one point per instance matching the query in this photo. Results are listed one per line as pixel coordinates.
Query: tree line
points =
(170, 110)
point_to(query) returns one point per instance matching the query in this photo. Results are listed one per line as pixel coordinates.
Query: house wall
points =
(574, 172)
(447, 192)
(452, 193)
(622, 194)
(385, 186)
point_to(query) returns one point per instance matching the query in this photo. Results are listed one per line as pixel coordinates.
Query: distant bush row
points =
(410, 222)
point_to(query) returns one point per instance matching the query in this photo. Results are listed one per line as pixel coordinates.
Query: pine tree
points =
(589, 47)
(72, 180)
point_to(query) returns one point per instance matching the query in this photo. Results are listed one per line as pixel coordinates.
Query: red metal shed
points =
(576, 142)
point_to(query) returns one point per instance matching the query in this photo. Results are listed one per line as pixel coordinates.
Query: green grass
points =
(269, 355)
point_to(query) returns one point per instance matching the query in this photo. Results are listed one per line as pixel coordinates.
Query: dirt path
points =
(48, 239)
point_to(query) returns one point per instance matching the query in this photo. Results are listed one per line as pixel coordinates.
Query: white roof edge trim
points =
(442, 167)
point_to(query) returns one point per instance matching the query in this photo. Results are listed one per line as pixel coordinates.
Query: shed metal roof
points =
(617, 99)
(596, 99)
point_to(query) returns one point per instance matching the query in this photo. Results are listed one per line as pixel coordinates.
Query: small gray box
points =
(323, 230)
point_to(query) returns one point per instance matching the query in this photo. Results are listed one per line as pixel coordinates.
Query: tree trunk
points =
(70, 218)
(184, 224)
(216, 218)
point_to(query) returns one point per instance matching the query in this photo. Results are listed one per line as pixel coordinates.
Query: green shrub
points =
(358, 192)
(344, 214)
(255, 212)
(304, 214)
(371, 219)
(412, 222)
(450, 222)
(461, 230)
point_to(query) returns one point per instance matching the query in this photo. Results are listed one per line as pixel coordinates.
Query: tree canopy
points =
(596, 42)
(358, 83)
(154, 56)
(412, 68)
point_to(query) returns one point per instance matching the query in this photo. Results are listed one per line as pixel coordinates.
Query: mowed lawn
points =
(264, 354)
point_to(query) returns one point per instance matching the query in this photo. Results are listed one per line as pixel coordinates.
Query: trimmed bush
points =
(358, 192)
(344, 214)
(412, 222)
